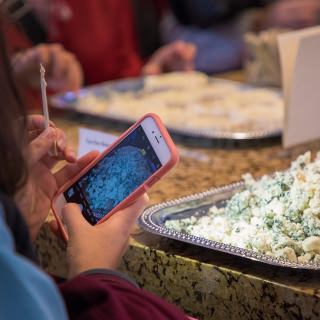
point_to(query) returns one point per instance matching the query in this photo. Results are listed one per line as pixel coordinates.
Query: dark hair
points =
(13, 169)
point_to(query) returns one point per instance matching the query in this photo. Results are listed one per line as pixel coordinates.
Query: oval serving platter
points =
(103, 92)
(153, 220)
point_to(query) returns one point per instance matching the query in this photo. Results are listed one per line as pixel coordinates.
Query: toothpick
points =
(45, 110)
(43, 85)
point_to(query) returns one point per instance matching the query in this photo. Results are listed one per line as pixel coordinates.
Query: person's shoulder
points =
(30, 288)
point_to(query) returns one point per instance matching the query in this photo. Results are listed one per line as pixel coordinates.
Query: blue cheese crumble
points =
(276, 215)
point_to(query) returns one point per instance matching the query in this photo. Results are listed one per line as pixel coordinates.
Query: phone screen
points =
(115, 176)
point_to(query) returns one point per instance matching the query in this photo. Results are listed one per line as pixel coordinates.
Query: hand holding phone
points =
(131, 165)
(85, 242)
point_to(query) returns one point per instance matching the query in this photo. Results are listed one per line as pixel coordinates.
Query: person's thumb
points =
(73, 219)
(40, 146)
(124, 219)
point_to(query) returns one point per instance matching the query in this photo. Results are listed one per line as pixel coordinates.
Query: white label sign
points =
(300, 52)
(90, 140)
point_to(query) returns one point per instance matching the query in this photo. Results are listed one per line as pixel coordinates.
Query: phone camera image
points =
(115, 176)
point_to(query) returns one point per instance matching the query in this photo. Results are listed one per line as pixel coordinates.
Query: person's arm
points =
(63, 70)
(176, 56)
(94, 289)
(25, 292)
(92, 250)
(218, 49)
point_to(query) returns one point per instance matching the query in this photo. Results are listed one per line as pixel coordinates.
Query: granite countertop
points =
(205, 284)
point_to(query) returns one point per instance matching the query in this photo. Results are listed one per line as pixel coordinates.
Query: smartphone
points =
(130, 166)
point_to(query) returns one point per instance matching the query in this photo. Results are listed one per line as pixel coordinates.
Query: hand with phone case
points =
(101, 246)
(122, 174)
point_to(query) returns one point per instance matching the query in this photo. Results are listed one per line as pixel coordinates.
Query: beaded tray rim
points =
(147, 223)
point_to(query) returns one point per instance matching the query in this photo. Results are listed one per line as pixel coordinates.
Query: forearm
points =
(218, 49)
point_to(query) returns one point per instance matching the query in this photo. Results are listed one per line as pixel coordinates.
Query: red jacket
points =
(102, 35)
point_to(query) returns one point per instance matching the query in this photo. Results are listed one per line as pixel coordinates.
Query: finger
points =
(26, 59)
(50, 160)
(74, 76)
(183, 56)
(178, 55)
(151, 69)
(36, 125)
(33, 134)
(64, 152)
(61, 140)
(70, 155)
(26, 66)
(157, 61)
(191, 52)
(41, 54)
(123, 220)
(41, 145)
(70, 170)
(37, 122)
(73, 219)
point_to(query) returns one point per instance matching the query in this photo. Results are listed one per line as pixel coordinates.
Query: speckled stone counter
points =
(205, 284)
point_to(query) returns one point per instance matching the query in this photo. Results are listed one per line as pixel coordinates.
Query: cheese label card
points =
(90, 140)
(299, 52)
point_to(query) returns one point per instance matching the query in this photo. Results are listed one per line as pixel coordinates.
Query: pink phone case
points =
(140, 190)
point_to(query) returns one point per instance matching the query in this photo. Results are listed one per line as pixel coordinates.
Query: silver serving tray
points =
(153, 220)
(68, 101)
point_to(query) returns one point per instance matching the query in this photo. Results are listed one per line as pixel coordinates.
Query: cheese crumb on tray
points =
(192, 101)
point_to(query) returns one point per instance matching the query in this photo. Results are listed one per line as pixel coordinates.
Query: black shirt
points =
(205, 13)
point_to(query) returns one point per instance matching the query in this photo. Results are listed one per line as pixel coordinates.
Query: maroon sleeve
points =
(107, 296)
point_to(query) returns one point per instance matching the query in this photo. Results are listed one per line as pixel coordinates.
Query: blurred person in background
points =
(217, 27)
(63, 71)
(100, 35)
(113, 39)
(117, 39)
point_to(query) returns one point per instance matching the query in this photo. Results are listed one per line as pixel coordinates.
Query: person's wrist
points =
(75, 270)
(83, 263)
